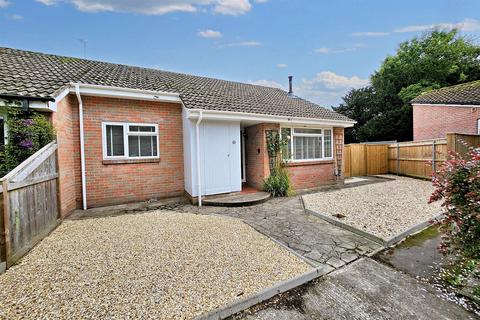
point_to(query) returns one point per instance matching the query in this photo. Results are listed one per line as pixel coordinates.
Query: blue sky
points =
(328, 46)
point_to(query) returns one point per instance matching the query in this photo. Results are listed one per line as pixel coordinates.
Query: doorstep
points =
(238, 199)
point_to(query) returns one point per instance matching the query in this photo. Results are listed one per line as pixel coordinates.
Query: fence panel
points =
(460, 142)
(347, 160)
(377, 159)
(364, 159)
(417, 158)
(30, 204)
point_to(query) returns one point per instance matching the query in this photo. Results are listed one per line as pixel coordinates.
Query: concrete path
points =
(364, 290)
(285, 220)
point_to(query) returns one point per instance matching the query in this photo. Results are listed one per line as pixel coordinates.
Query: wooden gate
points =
(30, 203)
(365, 159)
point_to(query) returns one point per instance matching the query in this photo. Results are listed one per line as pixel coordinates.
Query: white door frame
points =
(244, 167)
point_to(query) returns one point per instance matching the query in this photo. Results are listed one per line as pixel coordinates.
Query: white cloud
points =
(331, 80)
(325, 50)
(209, 34)
(242, 44)
(327, 88)
(370, 34)
(268, 83)
(4, 3)
(15, 17)
(282, 65)
(158, 7)
(232, 7)
(465, 25)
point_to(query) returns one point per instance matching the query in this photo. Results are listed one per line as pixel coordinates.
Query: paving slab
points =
(365, 290)
(285, 220)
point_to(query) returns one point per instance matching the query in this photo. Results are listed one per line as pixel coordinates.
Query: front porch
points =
(223, 156)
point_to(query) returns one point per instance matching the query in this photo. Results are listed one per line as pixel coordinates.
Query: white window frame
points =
(126, 134)
(478, 126)
(319, 135)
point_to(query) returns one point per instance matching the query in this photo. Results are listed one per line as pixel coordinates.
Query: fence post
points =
(398, 158)
(434, 167)
(6, 223)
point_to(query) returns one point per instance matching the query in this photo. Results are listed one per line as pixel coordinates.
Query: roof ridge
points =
(134, 66)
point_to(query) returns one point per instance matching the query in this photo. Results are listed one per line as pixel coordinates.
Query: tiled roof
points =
(31, 74)
(466, 93)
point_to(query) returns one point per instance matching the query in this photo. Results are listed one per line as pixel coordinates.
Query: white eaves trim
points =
(282, 120)
(136, 94)
(117, 92)
(446, 105)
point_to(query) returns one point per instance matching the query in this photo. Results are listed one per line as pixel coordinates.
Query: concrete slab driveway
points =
(285, 220)
(364, 290)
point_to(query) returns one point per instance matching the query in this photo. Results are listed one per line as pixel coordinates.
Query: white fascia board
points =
(445, 105)
(117, 92)
(33, 104)
(238, 116)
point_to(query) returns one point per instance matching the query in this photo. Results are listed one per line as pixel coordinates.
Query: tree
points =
(435, 60)
(357, 104)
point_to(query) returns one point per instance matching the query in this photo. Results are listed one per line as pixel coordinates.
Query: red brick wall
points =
(109, 184)
(430, 122)
(65, 121)
(256, 155)
(303, 175)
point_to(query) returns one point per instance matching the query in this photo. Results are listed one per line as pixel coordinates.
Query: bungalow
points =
(128, 134)
(450, 109)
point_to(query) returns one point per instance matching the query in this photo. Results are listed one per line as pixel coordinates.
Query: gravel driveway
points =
(384, 209)
(161, 265)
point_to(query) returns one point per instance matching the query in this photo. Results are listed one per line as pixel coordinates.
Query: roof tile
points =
(465, 93)
(43, 75)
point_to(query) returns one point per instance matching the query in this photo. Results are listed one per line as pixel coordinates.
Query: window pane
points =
(133, 146)
(309, 131)
(141, 128)
(298, 147)
(115, 141)
(2, 134)
(154, 145)
(146, 149)
(287, 152)
(328, 143)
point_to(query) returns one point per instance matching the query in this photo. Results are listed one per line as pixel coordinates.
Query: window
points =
(308, 144)
(2, 133)
(129, 140)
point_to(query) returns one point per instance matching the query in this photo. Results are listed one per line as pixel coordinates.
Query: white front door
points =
(220, 147)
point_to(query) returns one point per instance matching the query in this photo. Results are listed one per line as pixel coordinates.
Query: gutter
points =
(82, 147)
(242, 116)
(199, 176)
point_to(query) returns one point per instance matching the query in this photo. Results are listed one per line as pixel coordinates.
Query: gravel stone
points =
(159, 264)
(383, 209)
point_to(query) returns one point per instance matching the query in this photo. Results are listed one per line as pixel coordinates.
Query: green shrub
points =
(457, 183)
(27, 133)
(278, 184)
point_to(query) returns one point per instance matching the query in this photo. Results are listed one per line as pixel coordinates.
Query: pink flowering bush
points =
(457, 183)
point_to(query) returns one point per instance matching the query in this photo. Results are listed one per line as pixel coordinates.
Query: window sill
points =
(129, 161)
(308, 163)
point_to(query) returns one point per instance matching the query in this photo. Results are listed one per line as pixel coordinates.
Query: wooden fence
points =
(365, 159)
(417, 158)
(29, 204)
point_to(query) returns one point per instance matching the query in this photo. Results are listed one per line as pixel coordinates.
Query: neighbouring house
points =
(128, 134)
(450, 109)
